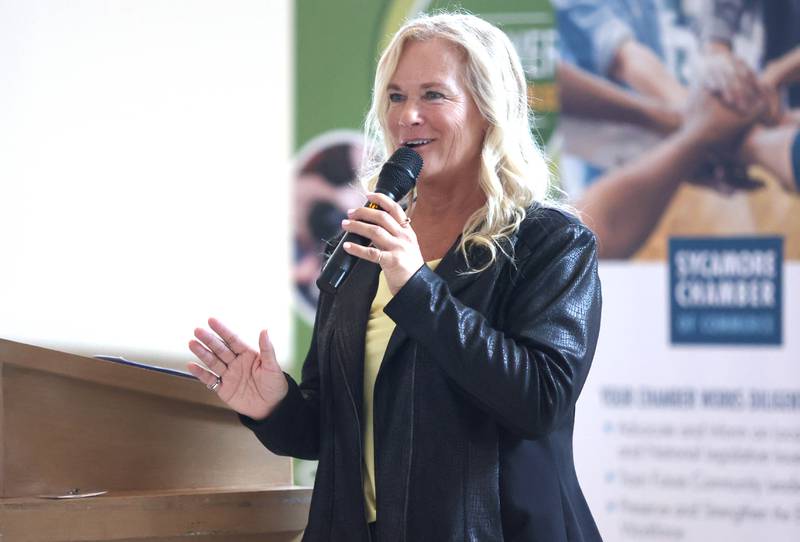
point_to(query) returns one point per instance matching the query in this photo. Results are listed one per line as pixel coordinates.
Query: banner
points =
(688, 426)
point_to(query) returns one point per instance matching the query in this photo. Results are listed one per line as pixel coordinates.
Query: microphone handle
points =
(338, 266)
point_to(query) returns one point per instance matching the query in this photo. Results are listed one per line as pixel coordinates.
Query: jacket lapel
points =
(351, 310)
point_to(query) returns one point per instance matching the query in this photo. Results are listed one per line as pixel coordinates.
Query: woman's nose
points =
(411, 114)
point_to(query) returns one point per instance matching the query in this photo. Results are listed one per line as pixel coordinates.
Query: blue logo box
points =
(726, 290)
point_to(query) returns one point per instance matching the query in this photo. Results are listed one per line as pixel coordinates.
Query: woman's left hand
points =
(395, 246)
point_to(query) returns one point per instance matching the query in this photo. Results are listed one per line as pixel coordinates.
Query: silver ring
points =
(380, 255)
(215, 385)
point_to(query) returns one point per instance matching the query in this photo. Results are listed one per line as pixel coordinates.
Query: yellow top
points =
(379, 330)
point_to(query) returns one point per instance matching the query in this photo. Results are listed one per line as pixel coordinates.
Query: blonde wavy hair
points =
(513, 172)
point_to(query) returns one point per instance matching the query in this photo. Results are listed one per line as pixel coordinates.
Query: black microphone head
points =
(399, 173)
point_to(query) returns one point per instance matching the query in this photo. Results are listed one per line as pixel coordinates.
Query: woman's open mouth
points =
(414, 143)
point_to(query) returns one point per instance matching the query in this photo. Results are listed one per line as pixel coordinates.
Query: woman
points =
(465, 431)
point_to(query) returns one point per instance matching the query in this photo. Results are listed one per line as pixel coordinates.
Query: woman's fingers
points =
(377, 234)
(266, 348)
(218, 351)
(377, 217)
(235, 344)
(389, 205)
(371, 254)
(213, 343)
(208, 357)
(393, 221)
(203, 375)
(387, 228)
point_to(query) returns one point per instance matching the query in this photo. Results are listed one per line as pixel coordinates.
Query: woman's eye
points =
(395, 97)
(433, 95)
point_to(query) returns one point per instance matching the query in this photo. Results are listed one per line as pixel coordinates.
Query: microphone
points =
(398, 175)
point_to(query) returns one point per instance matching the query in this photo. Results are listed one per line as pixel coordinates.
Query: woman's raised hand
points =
(394, 243)
(249, 381)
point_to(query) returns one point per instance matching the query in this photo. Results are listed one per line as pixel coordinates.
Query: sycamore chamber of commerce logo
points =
(726, 290)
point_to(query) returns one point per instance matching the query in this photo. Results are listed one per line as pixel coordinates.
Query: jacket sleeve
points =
(293, 427)
(529, 374)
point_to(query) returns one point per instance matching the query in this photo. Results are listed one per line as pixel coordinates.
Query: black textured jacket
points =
(474, 401)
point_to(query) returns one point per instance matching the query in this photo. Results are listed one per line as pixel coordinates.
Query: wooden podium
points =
(175, 462)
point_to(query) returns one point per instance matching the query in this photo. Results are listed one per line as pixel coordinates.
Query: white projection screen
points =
(144, 173)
